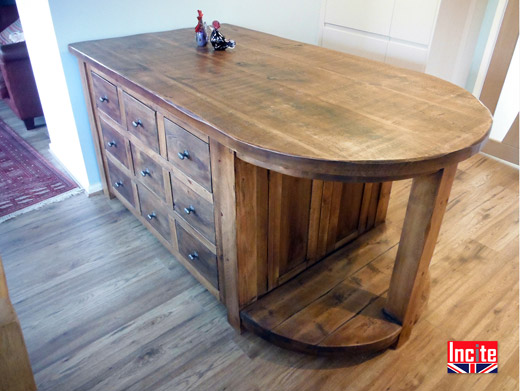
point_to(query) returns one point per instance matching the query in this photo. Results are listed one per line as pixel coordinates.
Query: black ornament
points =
(218, 41)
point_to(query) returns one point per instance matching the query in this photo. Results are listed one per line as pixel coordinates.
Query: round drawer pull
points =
(103, 99)
(193, 255)
(189, 210)
(151, 216)
(137, 123)
(112, 143)
(118, 184)
(145, 172)
(183, 155)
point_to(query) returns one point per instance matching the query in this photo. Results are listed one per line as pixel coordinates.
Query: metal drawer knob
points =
(151, 216)
(112, 143)
(145, 172)
(103, 99)
(118, 184)
(137, 123)
(193, 255)
(189, 210)
(183, 155)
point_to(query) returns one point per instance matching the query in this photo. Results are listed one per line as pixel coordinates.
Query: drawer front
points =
(193, 209)
(188, 153)
(105, 96)
(141, 122)
(149, 171)
(197, 254)
(154, 212)
(114, 143)
(120, 183)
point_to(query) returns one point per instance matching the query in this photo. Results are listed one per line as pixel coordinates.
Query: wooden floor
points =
(104, 307)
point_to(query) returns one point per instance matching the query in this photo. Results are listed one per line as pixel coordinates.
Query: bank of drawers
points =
(171, 191)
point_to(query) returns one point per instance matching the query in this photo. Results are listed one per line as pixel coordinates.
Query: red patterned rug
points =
(27, 180)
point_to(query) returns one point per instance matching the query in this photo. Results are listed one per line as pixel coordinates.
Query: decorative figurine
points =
(218, 41)
(200, 31)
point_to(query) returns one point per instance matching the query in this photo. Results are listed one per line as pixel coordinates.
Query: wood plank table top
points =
(300, 109)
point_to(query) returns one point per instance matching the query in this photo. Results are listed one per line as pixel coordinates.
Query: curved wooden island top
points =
(266, 171)
(300, 109)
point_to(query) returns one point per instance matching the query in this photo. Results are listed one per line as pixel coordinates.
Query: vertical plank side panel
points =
(251, 199)
(426, 206)
(314, 220)
(365, 204)
(94, 126)
(262, 221)
(335, 207)
(274, 227)
(372, 208)
(384, 199)
(326, 203)
(223, 172)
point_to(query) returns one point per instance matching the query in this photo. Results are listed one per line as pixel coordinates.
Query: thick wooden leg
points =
(426, 206)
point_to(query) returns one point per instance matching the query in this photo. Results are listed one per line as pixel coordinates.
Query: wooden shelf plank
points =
(336, 306)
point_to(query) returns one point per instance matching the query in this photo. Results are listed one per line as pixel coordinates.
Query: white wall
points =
(48, 71)
(50, 25)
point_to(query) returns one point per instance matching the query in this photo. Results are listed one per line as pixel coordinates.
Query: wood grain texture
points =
(304, 110)
(15, 369)
(114, 143)
(252, 224)
(201, 214)
(95, 126)
(197, 164)
(149, 172)
(141, 121)
(105, 97)
(223, 168)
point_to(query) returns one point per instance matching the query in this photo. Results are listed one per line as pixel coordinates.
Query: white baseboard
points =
(94, 189)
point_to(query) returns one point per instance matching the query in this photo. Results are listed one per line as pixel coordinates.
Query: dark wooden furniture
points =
(252, 165)
(17, 84)
(15, 368)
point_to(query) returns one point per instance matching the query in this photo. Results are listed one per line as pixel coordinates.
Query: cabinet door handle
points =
(137, 123)
(118, 184)
(145, 172)
(112, 143)
(194, 255)
(183, 155)
(189, 210)
(103, 99)
(151, 216)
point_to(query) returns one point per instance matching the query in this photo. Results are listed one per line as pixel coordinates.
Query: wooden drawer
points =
(149, 171)
(105, 96)
(188, 153)
(120, 183)
(195, 210)
(153, 210)
(141, 122)
(114, 143)
(198, 255)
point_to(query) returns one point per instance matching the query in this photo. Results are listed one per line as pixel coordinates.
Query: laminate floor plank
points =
(104, 307)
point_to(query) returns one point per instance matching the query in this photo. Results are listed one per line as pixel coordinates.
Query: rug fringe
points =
(59, 197)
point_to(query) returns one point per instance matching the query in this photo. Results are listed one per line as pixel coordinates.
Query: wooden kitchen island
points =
(258, 168)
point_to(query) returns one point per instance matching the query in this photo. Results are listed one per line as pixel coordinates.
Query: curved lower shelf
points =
(334, 307)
